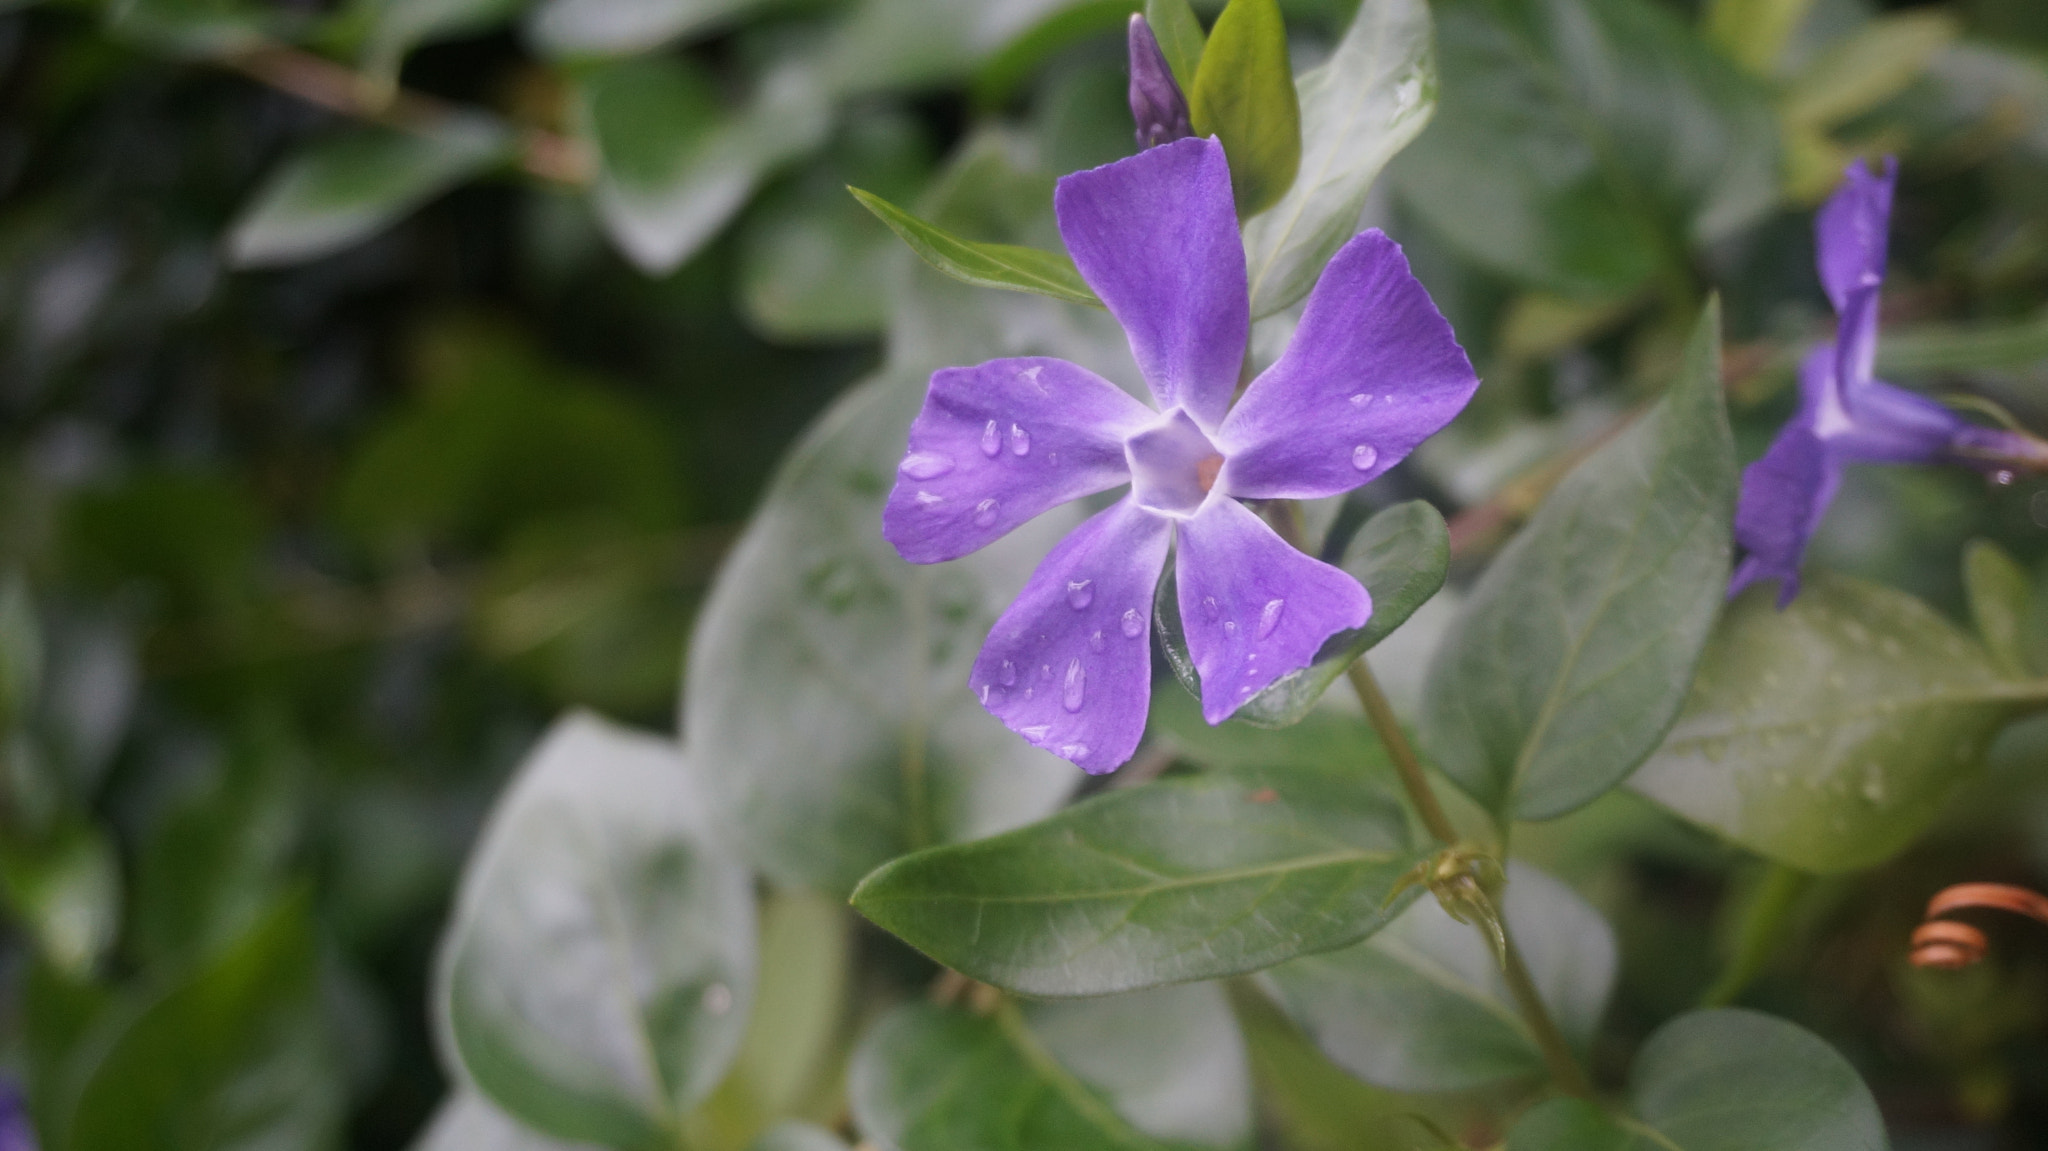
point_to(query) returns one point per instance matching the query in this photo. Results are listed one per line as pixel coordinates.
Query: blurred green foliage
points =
(381, 379)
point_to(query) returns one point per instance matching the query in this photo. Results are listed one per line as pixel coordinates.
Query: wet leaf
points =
(1243, 95)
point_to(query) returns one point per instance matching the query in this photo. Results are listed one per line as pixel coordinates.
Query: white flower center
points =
(1173, 465)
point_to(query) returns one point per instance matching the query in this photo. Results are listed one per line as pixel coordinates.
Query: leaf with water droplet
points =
(1400, 555)
(1837, 721)
(1194, 877)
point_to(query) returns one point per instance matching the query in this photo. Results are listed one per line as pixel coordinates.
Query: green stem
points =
(1765, 913)
(1557, 1054)
(1406, 763)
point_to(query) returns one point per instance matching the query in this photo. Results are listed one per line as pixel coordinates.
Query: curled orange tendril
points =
(1947, 944)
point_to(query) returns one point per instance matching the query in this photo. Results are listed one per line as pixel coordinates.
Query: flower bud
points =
(1158, 106)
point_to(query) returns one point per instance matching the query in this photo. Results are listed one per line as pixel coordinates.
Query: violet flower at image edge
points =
(1373, 369)
(16, 1133)
(1846, 415)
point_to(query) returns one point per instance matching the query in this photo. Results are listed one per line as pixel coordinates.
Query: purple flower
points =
(1846, 415)
(16, 1134)
(1372, 371)
(1157, 105)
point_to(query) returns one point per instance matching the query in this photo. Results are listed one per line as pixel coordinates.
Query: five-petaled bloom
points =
(1846, 415)
(1373, 369)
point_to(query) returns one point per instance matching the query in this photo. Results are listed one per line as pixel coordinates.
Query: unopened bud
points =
(2000, 451)
(1157, 105)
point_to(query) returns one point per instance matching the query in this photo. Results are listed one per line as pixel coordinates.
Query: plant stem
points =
(1381, 713)
(1557, 1054)
(1765, 913)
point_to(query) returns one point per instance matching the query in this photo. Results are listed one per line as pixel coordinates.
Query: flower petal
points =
(1069, 664)
(1784, 495)
(999, 443)
(1850, 230)
(1372, 371)
(1872, 422)
(1156, 236)
(1253, 607)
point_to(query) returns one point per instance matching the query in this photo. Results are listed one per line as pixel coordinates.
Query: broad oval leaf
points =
(1401, 556)
(347, 188)
(1421, 1006)
(984, 265)
(1244, 96)
(2001, 596)
(1374, 95)
(470, 1122)
(796, 1136)
(596, 975)
(1575, 650)
(233, 1055)
(674, 168)
(1728, 1080)
(573, 28)
(1181, 879)
(1825, 736)
(1582, 144)
(1162, 1069)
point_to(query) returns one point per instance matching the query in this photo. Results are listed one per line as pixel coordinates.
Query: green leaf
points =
(674, 167)
(1185, 878)
(1310, 1101)
(64, 886)
(1374, 95)
(1574, 652)
(2001, 602)
(931, 1079)
(595, 978)
(233, 1056)
(198, 28)
(1180, 38)
(347, 188)
(1865, 68)
(1243, 95)
(1825, 736)
(572, 28)
(1421, 1006)
(1401, 556)
(468, 1121)
(1721, 1081)
(984, 265)
(1582, 145)
(810, 256)
(1753, 33)
(21, 652)
(1325, 737)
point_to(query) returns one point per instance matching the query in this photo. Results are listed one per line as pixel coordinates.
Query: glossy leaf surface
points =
(1721, 1081)
(596, 977)
(1574, 652)
(1825, 736)
(1374, 94)
(1185, 878)
(1401, 556)
(1180, 38)
(1421, 1005)
(470, 1122)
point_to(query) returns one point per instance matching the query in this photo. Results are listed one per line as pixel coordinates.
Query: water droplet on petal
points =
(2003, 478)
(1209, 607)
(928, 499)
(1134, 624)
(1360, 400)
(1080, 593)
(991, 440)
(1364, 456)
(926, 465)
(1077, 679)
(985, 689)
(985, 513)
(1230, 627)
(1020, 441)
(1073, 751)
(1096, 642)
(1269, 616)
(1007, 674)
(1036, 731)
